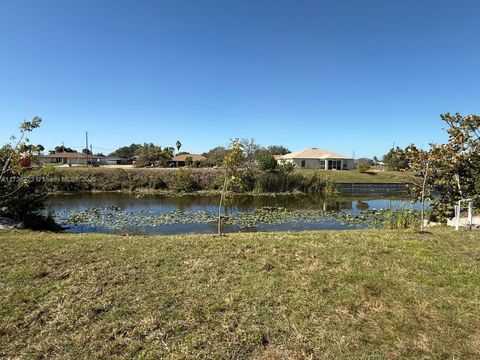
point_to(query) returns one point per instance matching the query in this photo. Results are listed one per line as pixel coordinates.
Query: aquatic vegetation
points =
(115, 219)
(395, 219)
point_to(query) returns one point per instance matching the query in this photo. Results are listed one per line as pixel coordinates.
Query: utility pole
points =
(86, 144)
(91, 153)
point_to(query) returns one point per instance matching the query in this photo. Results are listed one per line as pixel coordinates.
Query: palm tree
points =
(178, 145)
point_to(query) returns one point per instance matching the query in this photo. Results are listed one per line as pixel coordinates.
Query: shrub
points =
(269, 182)
(364, 167)
(185, 181)
(266, 161)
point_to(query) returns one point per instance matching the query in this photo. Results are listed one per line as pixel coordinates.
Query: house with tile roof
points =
(186, 159)
(316, 158)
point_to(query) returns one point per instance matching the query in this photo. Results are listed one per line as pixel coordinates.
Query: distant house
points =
(316, 158)
(111, 160)
(71, 158)
(75, 158)
(181, 160)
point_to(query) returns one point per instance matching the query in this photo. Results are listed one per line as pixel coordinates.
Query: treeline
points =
(151, 155)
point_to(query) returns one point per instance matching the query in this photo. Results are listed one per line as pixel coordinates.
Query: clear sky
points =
(354, 75)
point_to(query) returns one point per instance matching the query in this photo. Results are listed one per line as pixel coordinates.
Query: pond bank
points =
(193, 180)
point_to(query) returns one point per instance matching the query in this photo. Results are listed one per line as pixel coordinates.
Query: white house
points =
(316, 158)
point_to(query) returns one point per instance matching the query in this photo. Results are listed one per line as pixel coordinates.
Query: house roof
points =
(195, 157)
(315, 153)
(68, 155)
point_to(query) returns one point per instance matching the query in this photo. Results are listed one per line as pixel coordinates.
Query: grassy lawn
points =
(354, 176)
(335, 294)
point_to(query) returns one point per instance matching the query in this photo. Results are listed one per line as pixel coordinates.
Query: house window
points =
(345, 165)
(302, 164)
(322, 164)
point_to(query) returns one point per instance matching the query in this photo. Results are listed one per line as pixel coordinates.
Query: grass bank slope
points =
(359, 294)
(355, 176)
(159, 179)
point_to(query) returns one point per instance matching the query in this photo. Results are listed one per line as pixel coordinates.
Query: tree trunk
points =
(425, 175)
(222, 196)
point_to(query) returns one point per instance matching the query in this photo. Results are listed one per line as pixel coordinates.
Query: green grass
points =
(354, 176)
(335, 294)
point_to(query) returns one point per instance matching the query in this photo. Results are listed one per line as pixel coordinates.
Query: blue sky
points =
(342, 75)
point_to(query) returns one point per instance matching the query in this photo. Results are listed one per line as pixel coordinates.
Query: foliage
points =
(266, 161)
(62, 148)
(396, 159)
(395, 219)
(185, 181)
(152, 155)
(188, 161)
(250, 150)
(454, 167)
(216, 156)
(126, 152)
(178, 145)
(22, 195)
(364, 167)
(234, 160)
(278, 150)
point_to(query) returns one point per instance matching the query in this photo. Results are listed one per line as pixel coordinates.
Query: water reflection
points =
(235, 204)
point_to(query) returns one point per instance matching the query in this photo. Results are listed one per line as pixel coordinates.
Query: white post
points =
(457, 216)
(470, 220)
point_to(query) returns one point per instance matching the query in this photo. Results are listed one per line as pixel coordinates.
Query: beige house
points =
(71, 158)
(316, 158)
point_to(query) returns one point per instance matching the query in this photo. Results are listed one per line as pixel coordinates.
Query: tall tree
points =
(250, 150)
(62, 148)
(178, 145)
(278, 150)
(153, 155)
(126, 152)
(396, 159)
(216, 155)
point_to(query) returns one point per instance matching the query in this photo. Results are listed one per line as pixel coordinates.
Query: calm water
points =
(131, 205)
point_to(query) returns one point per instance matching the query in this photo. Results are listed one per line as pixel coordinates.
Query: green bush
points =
(364, 167)
(185, 181)
(266, 161)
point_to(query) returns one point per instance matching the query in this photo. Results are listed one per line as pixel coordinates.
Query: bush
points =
(185, 181)
(266, 161)
(364, 167)
(269, 182)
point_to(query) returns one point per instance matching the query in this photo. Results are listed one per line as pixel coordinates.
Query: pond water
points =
(154, 214)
